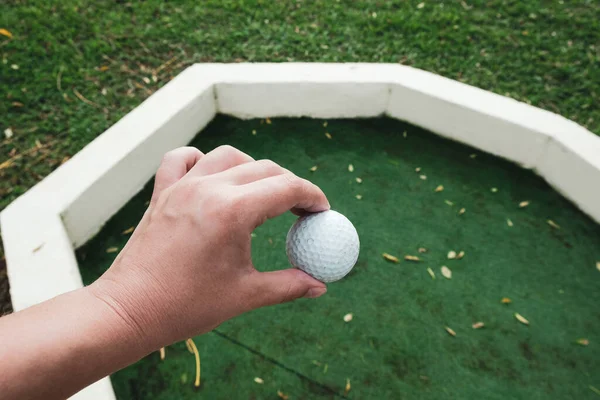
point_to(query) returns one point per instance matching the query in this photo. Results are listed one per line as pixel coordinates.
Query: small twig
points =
(86, 101)
(165, 65)
(8, 163)
(197, 355)
(143, 46)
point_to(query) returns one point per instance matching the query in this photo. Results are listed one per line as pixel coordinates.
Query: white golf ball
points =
(325, 245)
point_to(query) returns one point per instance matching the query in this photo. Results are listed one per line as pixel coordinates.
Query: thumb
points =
(282, 286)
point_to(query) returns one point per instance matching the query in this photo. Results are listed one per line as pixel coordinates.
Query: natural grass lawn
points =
(396, 345)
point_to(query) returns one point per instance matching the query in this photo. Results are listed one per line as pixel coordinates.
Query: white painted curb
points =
(42, 227)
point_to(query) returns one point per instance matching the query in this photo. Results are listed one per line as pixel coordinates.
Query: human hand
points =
(187, 267)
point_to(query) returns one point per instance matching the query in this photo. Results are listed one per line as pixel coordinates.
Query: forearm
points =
(56, 348)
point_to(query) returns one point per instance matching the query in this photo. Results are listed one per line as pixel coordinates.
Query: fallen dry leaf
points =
(439, 188)
(17, 104)
(460, 255)
(254, 132)
(422, 250)
(451, 255)
(313, 168)
(404, 134)
(521, 319)
(328, 135)
(523, 204)
(5, 32)
(411, 258)
(478, 325)
(553, 224)
(509, 222)
(112, 249)
(358, 196)
(350, 168)
(494, 190)
(390, 257)
(325, 124)
(473, 155)
(103, 68)
(598, 265)
(348, 317)
(282, 395)
(348, 387)
(358, 180)
(268, 121)
(582, 342)
(446, 272)
(450, 331)
(431, 273)
(8, 133)
(423, 177)
(258, 380)
(506, 300)
(449, 202)
(418, 169)
(420, 5)
(146, 80)
(128, 230)
(462, 211)
(162, 353)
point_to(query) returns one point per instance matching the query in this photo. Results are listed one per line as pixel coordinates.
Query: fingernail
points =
(315, 292)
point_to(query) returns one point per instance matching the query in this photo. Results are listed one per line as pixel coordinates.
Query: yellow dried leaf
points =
(451, 255)
(350, 168)
(358, 196)
(17, 104)
(8, 133)
(103, 68)
(506, 300)
(268, 121)
(494, 190)
(282, 395)
(146, 80)
(553, 224)
(422, 250)
(348, 387)
(358, 180)
(449, 202)
(112, 249)
(478, 325)
(423, 177)
(325, 124)
(404, 134)
(521, 319)
(582, 342)
(328, 135)
(460, 255)
(128, 230)
(411, 258)
(313, 168)
(390, 257)
(418, 169)
(162, 353)
(439, 188)
(420, 5)
(473, 155)
(431, 273)
(523, 204)
(446, 272)
(598, 265)
(5, 32)
(509, 222)
(258, 380)
(462, 211)
(348, 317)
(254, 132)
(450, 331)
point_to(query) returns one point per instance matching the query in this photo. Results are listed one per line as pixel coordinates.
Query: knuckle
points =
(269, 165)
(232, 153)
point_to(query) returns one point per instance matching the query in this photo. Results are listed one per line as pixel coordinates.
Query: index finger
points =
(273, 196)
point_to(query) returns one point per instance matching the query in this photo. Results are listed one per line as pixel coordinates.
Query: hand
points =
(187, 267)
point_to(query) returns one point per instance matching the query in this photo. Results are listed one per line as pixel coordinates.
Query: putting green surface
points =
(397, 345)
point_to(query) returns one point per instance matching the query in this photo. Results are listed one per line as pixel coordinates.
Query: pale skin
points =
(186, 269)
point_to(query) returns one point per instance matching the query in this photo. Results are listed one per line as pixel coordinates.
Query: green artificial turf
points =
(396, 345)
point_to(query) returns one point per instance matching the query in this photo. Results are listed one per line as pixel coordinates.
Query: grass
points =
(396, 342)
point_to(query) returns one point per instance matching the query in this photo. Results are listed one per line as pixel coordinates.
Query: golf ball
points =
(325, 245)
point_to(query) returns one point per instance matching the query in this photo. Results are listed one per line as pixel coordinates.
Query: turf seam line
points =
(279, 364)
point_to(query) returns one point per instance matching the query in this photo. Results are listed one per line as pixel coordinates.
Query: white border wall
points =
(41, 228)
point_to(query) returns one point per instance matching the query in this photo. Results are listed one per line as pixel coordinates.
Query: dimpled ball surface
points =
(325, 245)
